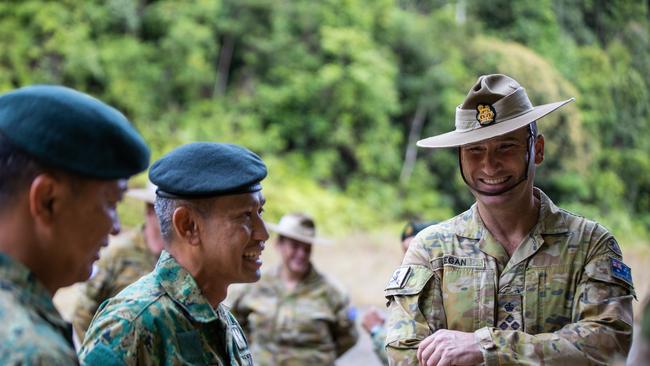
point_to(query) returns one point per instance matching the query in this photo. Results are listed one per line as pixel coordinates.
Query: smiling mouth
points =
(252, 255)
(494, 181)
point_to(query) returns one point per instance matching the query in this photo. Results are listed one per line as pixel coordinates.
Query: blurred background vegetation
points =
(334, 93)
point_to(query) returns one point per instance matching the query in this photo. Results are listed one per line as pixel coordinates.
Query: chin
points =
(248, 278)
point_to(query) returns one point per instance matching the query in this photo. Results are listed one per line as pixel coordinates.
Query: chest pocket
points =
(468, 290)
(190, 348)
(305, 322)
(548, 298)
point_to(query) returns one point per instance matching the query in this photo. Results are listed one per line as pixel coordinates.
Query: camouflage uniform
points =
(122, 263)
(564, 297)
(378, 339)
(163, 319)
(310, 325)
(32, 331)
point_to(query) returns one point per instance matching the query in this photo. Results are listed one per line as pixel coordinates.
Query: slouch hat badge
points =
(485, 114)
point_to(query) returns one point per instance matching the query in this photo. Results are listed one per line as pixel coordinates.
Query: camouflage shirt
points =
(310, 325)
(32, 331)
(564, 297)
(163, 319)
(121, 263)
(378, 339)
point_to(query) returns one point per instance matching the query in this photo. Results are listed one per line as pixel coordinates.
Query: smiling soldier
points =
(296, 315)
(64, 161)
(209, 203)
(515, 279)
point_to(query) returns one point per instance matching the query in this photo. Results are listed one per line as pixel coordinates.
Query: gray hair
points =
(165, 208)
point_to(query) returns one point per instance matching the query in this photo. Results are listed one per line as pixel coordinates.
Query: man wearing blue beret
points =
(64, 161)
(209, 203)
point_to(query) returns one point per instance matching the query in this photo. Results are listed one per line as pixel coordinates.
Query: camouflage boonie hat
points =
(494, 106)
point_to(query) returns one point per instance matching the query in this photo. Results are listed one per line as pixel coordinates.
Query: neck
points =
(17, 241)
(291, 278)
(214, 291)
(510, 223)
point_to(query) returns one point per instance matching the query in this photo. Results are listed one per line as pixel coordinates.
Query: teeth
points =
(495, 181)
(252, 254)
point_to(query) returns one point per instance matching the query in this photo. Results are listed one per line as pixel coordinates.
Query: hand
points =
(449, 347)
(372, 318)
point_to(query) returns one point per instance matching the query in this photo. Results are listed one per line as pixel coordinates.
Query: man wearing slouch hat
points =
(209, 204)
(64, 161)
(515, 279)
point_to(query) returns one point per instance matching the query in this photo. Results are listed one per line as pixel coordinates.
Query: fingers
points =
(426, 348)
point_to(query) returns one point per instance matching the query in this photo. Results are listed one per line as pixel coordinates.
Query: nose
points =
(260, 232)
(491, 163)
(115, 225)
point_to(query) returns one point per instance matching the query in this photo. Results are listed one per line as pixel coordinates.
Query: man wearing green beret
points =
(64, 160)
(130, 256)
(515, 279)
(209, 203)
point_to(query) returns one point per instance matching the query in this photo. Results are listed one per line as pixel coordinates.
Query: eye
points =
(474, 149)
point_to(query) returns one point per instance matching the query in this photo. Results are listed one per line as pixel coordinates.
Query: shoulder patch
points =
(398, 278)
(620, 270)
(613, 245)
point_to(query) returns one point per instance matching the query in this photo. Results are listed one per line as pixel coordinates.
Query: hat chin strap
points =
(507, 189)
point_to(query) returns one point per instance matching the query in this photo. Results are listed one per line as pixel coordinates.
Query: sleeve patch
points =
(620, 270)
(613, 245)
(398, 279)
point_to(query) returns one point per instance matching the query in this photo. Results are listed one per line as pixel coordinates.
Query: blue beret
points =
(207, 169)
(72, 131)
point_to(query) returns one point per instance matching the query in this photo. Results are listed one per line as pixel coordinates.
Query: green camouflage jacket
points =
(163, 319)
(121, 263)
(32, 330)
(311, 325)
(378, 339)
(564, 297)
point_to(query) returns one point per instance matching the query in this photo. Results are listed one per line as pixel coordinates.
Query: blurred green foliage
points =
(328, 92)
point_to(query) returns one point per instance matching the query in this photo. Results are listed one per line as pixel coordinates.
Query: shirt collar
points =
(183, 289)
(18, 279)
(551, 220)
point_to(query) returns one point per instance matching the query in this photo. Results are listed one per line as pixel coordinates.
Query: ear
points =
(44, 198)
(539, 149)
(186, 225)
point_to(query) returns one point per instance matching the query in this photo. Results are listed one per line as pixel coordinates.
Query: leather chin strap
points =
(507, 189)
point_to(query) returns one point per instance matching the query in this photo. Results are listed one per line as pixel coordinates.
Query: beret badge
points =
(485, 114)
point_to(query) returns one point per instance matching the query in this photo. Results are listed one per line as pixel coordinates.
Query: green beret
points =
(413, 228)
(207, 169)
(72, 131)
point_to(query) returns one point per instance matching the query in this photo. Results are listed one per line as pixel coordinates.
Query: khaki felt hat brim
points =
(458, 138)
(296, 236)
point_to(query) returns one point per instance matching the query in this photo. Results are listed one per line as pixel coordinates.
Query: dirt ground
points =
(362, 263)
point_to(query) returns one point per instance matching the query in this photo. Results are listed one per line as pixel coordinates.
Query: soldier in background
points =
(294, 315)
(209, 203)
(373, 320)
(124, 261)
(64, 161)
(515, 279)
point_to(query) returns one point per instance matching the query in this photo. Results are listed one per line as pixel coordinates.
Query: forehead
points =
(240, 201)
(113, 188)
(516, 135)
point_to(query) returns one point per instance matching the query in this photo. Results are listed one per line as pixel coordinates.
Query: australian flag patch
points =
(620, 270)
